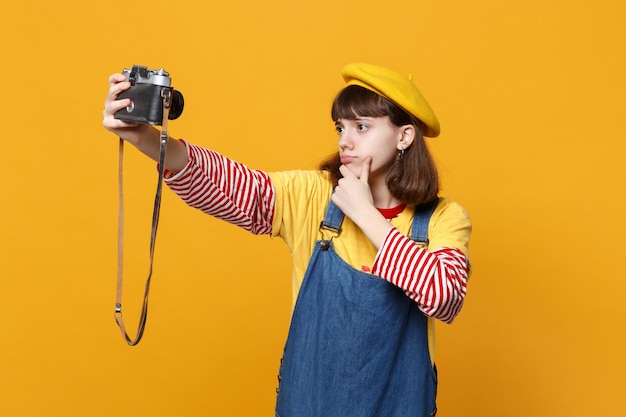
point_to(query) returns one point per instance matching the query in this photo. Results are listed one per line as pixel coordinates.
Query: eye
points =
(362, 127)
(339, 129)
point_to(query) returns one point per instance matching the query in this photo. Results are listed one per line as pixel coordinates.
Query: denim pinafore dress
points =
(357, 345)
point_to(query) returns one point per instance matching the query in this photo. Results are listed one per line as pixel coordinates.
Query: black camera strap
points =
(167, 95)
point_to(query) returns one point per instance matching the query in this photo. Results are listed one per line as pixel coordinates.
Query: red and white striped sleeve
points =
(436, 281)
(225, 189)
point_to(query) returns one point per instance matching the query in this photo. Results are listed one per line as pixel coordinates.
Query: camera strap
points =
(167, 96)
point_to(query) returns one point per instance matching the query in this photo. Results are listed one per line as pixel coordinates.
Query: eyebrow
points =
(356, 119)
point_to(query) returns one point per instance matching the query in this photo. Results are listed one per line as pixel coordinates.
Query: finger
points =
(110, 122)
(112, 107)
(117, 88)
(365, 170)
(117, 84)
(116, 78)
(337, 200)
(345, 172)
(117, 105)
(114, 91)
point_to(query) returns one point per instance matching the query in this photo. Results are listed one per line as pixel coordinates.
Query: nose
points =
(345, 140)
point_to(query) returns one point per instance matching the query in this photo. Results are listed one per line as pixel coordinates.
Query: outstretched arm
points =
(202, 178)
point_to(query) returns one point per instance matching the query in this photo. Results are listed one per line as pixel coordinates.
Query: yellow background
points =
(530, 95)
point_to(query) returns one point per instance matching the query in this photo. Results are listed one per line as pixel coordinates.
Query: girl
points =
(377, 254)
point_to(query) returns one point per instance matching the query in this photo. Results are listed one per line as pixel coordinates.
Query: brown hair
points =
(413, 179)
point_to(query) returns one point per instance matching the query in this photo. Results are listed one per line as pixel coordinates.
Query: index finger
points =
(116, 78)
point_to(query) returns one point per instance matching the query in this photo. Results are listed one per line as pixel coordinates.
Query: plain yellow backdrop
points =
(530, 96)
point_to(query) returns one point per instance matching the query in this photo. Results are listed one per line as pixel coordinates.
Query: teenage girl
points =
(377, 253)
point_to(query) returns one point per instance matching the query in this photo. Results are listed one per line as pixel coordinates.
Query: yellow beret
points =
(395, 87)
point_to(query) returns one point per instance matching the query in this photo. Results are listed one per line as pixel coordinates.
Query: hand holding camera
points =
(134, 106)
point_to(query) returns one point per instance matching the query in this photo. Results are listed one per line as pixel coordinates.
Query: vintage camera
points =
(147, 92)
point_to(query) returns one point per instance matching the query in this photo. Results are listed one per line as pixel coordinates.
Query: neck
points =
(382, 196)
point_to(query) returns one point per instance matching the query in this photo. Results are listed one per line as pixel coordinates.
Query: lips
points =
(347, 158)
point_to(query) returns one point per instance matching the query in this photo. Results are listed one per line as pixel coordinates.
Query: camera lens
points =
(176, 108)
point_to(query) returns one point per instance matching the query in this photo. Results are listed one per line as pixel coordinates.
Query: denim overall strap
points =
(421, 218)
(357, 345)
(333, 218)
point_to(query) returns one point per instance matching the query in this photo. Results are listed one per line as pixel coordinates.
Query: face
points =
(375, 137)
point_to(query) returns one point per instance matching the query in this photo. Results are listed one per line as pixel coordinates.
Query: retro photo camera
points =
(149, 88)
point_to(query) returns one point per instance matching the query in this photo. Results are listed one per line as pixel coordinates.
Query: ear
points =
(407, 137)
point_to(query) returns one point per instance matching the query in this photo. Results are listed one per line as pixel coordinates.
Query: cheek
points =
(383, 161)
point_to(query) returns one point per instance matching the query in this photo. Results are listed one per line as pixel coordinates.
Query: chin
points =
(355, 169)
